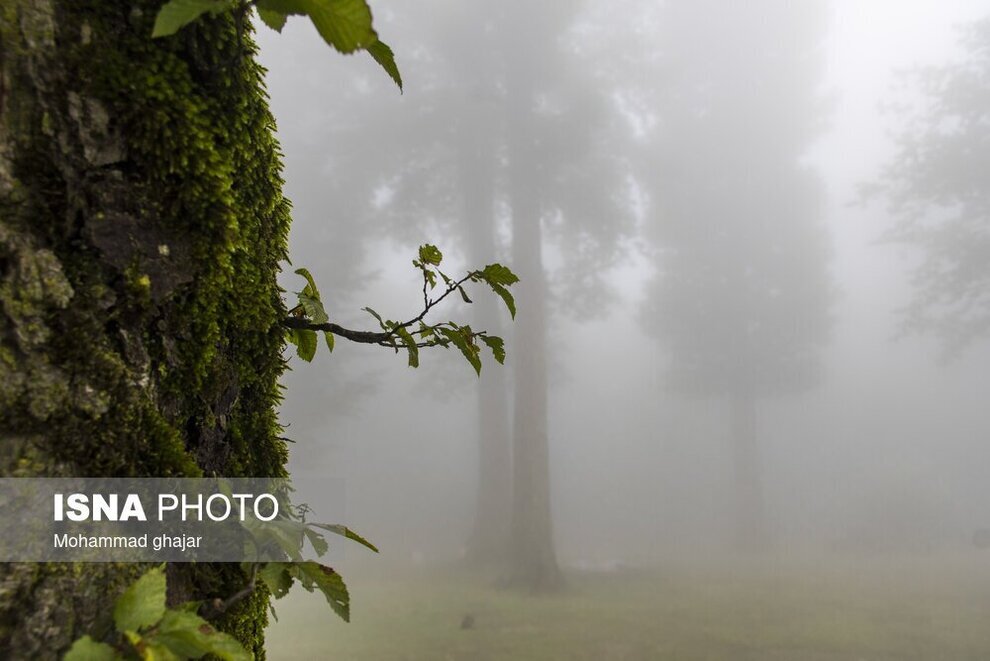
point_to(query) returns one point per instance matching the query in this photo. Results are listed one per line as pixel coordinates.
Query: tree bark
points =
(141, 229)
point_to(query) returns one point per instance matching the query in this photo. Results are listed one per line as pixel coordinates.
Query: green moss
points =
(201, 167)
(118, 356)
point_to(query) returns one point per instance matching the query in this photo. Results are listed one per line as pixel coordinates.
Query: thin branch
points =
(430, 303)
(382, 338)
(361, 337)
(426, 298)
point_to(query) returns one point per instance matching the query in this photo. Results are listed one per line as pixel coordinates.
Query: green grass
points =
(922, 609)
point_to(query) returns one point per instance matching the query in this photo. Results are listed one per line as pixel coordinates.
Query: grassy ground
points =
(918, 609)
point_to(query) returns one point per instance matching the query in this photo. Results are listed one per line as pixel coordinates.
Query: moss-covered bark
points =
(141, 227)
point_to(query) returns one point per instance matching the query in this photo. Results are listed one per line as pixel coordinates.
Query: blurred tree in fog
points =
(742, 293)
(496, 139)
(937, 190)
(438, 182)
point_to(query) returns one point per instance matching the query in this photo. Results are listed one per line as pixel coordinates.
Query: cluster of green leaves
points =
(446, 334)
(149, 630)
(289, 534)
(311, 307)
(346, 25)
(413, 334)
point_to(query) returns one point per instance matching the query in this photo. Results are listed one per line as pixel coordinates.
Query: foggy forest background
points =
(753, 243)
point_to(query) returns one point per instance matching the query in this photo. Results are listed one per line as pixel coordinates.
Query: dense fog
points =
(753, 243)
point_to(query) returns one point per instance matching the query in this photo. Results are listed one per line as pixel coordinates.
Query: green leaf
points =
(344, 531)
(329, 338)
(386, 58)
(142, 604)
(410, 343)
(317, 540)
(273, 19)
(176, 14)
(430, 254)
(344, 24)
(499, 278)
(87, 649)
(305, 341)
(377, 316)
(189, 636)
(314, 308)
(459, 337)
(464, 295)
(311, 289)
(497, 345)
(152, 650)
(510, 302)
(292, 337)
(498, 274)
(313, 575)
(277, 578)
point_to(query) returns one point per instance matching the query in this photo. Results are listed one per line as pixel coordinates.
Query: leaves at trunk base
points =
(142, 604)
(87, 649)
(152, 631)
(188, 636)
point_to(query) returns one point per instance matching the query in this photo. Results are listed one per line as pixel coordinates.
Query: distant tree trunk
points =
(534, 562)
(533, 559)
(141, 228)
(750, 527)
(489, 541)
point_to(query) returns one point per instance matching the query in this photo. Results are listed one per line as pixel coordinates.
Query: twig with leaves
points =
(309, 316)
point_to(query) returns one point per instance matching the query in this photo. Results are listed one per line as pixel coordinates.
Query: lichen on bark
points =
(141, 229)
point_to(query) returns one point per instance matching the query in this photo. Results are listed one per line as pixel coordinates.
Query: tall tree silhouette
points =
(741, 295)
(495, 140)
(937, 192)
(440, 179)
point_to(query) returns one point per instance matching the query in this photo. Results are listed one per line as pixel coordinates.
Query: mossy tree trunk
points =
(141, 229)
